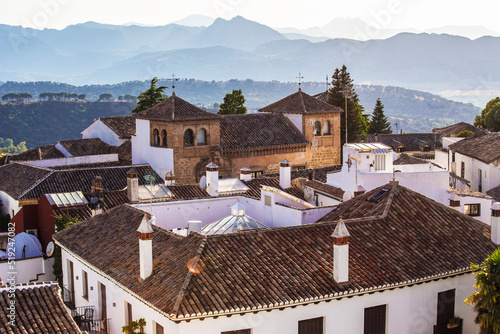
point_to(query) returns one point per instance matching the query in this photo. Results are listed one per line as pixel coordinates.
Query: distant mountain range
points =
(91, 53)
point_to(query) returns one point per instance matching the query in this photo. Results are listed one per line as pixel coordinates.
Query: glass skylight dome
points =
(236, 222)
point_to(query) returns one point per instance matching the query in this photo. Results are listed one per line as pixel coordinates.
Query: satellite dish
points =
(203, 182)
(50, 249)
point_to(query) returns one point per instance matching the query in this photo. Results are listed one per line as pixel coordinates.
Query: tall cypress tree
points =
(356, 123)
(150, 97)
(379, 123)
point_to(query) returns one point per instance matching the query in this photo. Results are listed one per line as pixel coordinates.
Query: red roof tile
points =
(300, 103)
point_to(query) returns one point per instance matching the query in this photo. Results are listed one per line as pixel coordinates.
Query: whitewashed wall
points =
(99, 130)
(409, 310)
(10, 205)
(87, 159)
(490, 177)
(143, 153)
(26, 270)
(485, 203)
(296, 119)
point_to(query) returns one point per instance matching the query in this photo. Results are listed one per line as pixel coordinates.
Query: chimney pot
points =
(212, 179)
(194, 226)
(341, 253)
(145, 247)
(133, 185)
(245, 174)
(285, 174)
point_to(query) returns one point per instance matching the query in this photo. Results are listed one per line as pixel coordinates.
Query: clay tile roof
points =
(494, 193)
(255, 186)
(91, 146)
(175, 109)
(319, 173)
(300, 103)
(322, 96)
(468, 192)
(405, 159)
(236, 271)
(68, 180)
(38, 153)
(249, 131)
(17, 178)
(411, 141)
(454, 129)
(185, 192)
(123, 126)
(481, 146)
(325, 188)
(39, 309)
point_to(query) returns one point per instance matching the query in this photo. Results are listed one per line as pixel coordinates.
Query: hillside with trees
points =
(40, 123)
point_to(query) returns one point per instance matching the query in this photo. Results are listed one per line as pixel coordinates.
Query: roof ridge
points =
(302, 101)
(189, 276)
(390, 200)
(36, 184)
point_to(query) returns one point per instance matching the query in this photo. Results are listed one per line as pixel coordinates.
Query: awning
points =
(380, 151)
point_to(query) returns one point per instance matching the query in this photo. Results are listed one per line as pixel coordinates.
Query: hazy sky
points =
(418, 14)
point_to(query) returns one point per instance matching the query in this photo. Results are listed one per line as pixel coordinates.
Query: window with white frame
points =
(379, 162)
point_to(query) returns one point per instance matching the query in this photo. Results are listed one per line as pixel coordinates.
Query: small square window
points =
(473, 210)
(267, 200)
(311, 326)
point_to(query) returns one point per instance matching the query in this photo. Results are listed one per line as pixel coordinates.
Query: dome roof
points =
(237, 221)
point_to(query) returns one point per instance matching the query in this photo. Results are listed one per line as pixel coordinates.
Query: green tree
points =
(356, 124)
(490, 116)
(465, 133)
(233, 103)
(105, 97)
(486, 298)
(133, 326)
(379, 123)
(150, 96)
(7, 146)
(61, 223)
(82, 97)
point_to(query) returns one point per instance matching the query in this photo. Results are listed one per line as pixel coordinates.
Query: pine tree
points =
(486, 299)
(150, 96)
(379, 123)
(356, 124)
(233, 103)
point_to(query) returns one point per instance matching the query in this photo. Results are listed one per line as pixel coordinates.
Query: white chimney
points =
(194, 226)
(145, 248)
(133, 185)
(341, 253)
(212, 179)
(495, 223)
(170, 179)
(285, 174)
(245, 174)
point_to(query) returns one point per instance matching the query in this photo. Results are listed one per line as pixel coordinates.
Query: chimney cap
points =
(340, 230)
(284, 163)
(145, 226)
(495, 206)
(132, 172)
(212, 165)
(245, 169)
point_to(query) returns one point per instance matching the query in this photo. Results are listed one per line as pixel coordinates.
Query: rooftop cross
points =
(174, 79)
(300, 77)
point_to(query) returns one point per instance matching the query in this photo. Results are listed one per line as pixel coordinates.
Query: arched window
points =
(317, 129)
(163, 138)
(188, 138)
(201, 138)
(156, 137)
(326, 128)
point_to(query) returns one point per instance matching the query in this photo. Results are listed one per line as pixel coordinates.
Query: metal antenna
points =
(174, 79)
(300, 77)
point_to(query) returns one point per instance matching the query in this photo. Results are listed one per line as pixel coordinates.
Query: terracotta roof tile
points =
(91, 146)
(38, 153)
(113, 178)
(405, 159)
(238, 271)
(185, 192)
(411, 141)
(300, 103)
(494, 193)
(255, 186)
(481, 146)
(175, 109)
(17, 178)
(39, 309)
(325, 188)
(239, 132)
(123, 126)
(454, 129)
(320, 174)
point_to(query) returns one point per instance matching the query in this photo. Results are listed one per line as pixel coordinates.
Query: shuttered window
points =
(375, 319)
(311, 326)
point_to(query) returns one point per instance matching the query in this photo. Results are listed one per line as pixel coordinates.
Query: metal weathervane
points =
(174, 79)
(300, 77)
